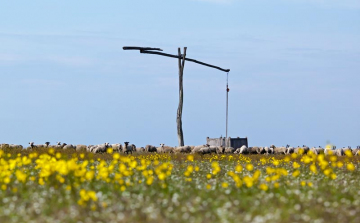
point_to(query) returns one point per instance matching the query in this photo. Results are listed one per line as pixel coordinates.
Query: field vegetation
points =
(50, 185)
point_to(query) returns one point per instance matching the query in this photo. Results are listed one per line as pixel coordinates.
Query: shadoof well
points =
(182, 58)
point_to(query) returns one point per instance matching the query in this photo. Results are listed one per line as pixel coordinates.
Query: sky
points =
(294, 76)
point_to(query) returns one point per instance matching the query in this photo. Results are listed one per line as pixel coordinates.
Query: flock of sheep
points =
(201, 149)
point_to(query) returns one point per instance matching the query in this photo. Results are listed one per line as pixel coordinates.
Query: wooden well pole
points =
(181, 97)
(181, 59)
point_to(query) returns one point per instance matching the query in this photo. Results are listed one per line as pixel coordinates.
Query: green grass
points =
(176, 198)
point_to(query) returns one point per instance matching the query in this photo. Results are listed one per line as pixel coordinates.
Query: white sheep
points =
(290, 150)
(347, 149)
(219, 149)
(139, 149)
(278, 150)
(32, 145)
(117, 147)
(268, 150)
(204, 150)
(243, 150)
(100, 148)
(80, 148)
(3, 145)
(150, 148)
(57, 146)
(355, 151)
(339, 152)
(164, 149)
(182, 149)
(320, 150)
(14, 146)
(253, 150)
(68, 146)
(314, 150)
(229, 150)
(195, 149)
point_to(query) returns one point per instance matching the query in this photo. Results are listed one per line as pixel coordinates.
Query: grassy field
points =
(65, 186)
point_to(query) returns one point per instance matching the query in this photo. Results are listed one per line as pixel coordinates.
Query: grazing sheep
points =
(3, 145)
(32, 145)
(204, 150)
(229, 150)
(220, 149)
(116, 147)
(290, 150)
(165, 149)
(197, 148)
(254, 150)
(314, 150)
(320, 150)
(139, 150)
(182, 149)
(13, 146)
(329, 151)
(298, 150)
(100, 148)
(133, 147)
(242, 150)
(150, 149)
(278, 150)
(208, 149)
(266, 150)
(269, 150)
(128, 148)
(306, 149)
(355, 151)
(57, 146)
(339, 152)
(262, 150)
(347, 149)
(80, 148)
(302, 150)
(90, 148)
(68, 146)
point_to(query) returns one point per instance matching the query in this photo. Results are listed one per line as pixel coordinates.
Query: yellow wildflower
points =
(249, 167)
(350, 167)
(224, 185)
(264, 187)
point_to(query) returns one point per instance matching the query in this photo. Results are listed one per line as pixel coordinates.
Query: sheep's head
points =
(220, 149)
(47, 143)
(58, 143)
(126, 143)
(162, 144)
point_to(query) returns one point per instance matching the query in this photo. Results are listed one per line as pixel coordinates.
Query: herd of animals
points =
(201, 149)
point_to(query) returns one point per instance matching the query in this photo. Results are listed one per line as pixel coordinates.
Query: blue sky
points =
(294, 76)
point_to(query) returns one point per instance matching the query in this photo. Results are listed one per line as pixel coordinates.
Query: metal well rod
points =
(227, 106)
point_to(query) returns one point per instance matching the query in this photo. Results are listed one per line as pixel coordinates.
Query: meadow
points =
(54, 185)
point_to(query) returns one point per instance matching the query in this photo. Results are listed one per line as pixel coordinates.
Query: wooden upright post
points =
(181, 96)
